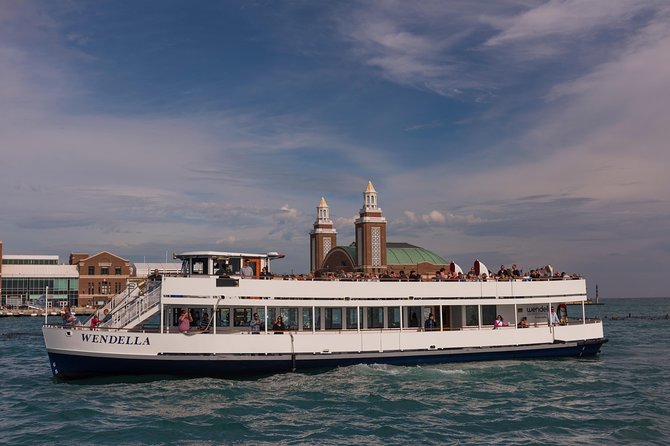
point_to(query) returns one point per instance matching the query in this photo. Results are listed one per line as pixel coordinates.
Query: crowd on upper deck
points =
(442, 275)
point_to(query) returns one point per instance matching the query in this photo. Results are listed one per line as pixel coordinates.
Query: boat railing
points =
(396, 279)
(246, 330)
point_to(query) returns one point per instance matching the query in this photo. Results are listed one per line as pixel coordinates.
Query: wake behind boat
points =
(306, 324)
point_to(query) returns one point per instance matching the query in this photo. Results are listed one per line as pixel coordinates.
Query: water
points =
(622, 397)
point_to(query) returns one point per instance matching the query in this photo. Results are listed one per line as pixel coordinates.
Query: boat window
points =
(200, 266)
(241, 317)
(224, 317)
(488, 314)
(393, 317)
(352, 322)
(413, 316)
(307, 318)
(333, 318)
(471, 315)
(235, 265)
(290, 318)
(376, 317)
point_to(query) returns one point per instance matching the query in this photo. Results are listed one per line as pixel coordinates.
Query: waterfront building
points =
(323, 237)
(101, 276)
(26, 278)
(370, 252)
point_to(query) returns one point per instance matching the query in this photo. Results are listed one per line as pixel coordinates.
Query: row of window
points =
(105, 287)
(104, 270)
(39, 284)
(343, 318)
(29, 262)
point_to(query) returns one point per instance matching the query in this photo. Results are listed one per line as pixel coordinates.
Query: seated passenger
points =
(523, 323)
(255, 324)
(499, 322)
(204, 322)
(431, 323)
(279, 326)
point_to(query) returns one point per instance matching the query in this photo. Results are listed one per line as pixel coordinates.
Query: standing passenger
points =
(553, 317)
(185, 321)
(246, 272)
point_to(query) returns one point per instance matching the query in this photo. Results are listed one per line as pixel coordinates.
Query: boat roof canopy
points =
(226, 255)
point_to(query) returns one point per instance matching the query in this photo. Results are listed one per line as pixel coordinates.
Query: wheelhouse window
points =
(199, 266)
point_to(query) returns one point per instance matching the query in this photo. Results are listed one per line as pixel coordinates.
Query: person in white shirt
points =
(553, 317)
(246, 272)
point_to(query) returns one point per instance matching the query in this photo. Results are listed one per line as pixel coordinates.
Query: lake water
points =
(621, 397)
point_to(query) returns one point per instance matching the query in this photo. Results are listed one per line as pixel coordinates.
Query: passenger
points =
(265, 274)
(69, 319)
(413, 320)
(431, 323)
(523, 323)
(279, 326)
(553, 317)
(185, 321)
(204, 322)
(499, 322)
(563, 314)
(255, 324)
(414, 277)
(223, 270)
(95, 321)
(247, 271)
(106, 316)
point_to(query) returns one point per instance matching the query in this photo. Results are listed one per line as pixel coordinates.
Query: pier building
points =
(25, 279)
(370, 252)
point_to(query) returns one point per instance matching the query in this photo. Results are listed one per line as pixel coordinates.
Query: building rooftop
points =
(41, 271)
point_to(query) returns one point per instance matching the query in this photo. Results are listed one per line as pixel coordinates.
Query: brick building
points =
(101, 276)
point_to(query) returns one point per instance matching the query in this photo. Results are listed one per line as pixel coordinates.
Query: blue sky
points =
(526, 132)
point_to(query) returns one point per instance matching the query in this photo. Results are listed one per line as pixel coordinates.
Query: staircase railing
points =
(132, 311)
(131, 291)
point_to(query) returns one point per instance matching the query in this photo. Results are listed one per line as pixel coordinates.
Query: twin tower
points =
(367, 254)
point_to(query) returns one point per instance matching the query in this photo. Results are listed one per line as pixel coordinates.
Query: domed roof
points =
(406, 254)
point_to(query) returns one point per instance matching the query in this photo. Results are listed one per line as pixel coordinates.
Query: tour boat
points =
(326, 323)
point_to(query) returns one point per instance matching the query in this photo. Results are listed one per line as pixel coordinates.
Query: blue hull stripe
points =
(66, 366)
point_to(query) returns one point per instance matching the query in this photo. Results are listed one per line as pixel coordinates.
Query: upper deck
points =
(573, 290)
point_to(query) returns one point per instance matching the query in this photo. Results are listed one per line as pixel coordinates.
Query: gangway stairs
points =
(135, 309)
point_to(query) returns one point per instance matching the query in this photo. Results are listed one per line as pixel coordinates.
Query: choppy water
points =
(622, 397)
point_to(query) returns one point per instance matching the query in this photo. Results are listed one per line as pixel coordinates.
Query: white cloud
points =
(569, 19)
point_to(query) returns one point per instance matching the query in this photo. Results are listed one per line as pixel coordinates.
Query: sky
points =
(522, 131)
